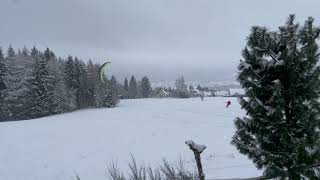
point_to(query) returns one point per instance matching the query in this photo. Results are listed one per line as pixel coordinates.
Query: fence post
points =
(197, 150)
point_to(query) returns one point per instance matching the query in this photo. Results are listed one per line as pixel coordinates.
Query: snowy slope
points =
(84, 142)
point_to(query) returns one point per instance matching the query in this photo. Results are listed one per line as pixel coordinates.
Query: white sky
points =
(200, 39)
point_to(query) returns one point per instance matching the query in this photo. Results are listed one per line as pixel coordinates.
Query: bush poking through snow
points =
(115, 173)
(167, 171)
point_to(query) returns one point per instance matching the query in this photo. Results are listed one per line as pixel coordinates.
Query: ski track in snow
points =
(85, 142)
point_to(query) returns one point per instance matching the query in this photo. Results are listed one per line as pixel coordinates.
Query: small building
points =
(162, 93)
(231, 93)
(194, 92)
(207, 93)
(221, 93)
(237, 92)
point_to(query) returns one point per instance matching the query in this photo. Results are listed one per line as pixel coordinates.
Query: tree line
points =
(36, 83)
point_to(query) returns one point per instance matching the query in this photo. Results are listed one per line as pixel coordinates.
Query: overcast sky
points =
(200, 39)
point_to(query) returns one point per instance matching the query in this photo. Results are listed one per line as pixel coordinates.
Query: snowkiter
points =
(228, 104)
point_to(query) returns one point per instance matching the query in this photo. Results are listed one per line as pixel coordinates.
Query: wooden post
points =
(197, 150)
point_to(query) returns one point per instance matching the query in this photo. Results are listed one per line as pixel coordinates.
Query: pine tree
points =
(126, 88)
(76, 81)
(63, 99)
(40, 91)
(101, 94)
(139, 90)
(26, 60)
(25, 52)
(181, 87)
(114, 86)
(50, 63)
(14, 99)
(133, 88)
(109, 100)
(280, 75)
(112, 93)
(83, 86)
(69, 80)
(93, 80)
(145, 87)
(48, 55)
(3, 85)
(199, 87)
(102, 97)
(106, 93)
(69, 73)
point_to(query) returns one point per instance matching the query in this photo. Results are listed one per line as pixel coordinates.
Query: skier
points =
(228, 104)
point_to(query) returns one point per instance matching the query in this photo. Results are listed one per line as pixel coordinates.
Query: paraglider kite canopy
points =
(102, 71)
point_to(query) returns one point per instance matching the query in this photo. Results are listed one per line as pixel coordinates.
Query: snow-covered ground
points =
(85, 142)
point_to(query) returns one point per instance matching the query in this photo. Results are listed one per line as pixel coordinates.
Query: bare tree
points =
(181, 88)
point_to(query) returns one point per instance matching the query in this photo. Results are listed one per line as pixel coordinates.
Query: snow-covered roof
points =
(196, 90)
(221, 93)
(236, 91)
(207, 93)
(163, 91)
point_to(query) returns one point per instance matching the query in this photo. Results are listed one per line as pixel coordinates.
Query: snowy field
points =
(85, 142)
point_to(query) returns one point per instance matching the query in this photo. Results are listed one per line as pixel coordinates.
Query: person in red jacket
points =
(228, 104)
